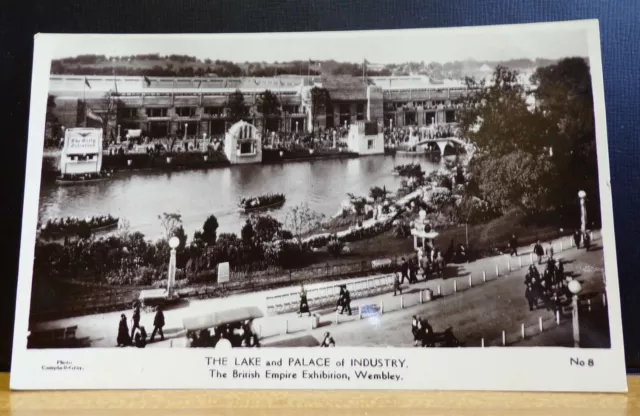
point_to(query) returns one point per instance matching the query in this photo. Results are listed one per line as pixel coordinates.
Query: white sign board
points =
(223, 272)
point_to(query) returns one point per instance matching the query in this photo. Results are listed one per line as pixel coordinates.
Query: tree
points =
(247, 233)
(378, 193)
(266, 228)
(320, 99)
(359, 204)
(301, 220)
(501, 122)
(209, 230)
(268, 105)
(236, 108)
(564, 99)
(170, 222)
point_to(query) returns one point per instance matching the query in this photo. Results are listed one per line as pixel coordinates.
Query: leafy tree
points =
(358, 203)
(247, 233)
(170, 222)
(565, 100)
(378, 193)
(320, 99)
(236, 107)
(266, 228)
(301, 220)
(268, 105)
(209, 230)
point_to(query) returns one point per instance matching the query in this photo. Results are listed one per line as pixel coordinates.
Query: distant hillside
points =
(189, 66)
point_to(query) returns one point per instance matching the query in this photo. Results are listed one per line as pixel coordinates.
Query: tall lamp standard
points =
(583, 212)
(575, 288)
(174, 242)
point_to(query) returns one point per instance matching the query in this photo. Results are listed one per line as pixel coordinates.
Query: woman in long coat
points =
(304, 305)
(124, 339)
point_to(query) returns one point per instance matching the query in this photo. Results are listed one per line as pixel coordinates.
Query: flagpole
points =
(84, 100)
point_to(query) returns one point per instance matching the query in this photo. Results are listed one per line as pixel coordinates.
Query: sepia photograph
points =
(327, 190)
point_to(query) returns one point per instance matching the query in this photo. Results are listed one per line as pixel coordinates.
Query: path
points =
(100, 329)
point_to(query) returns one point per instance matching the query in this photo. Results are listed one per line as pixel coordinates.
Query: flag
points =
(86, 82)
(199, 83)
(147, 80)
(93, 116)
(311, 62)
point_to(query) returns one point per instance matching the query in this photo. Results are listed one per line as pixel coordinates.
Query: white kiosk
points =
(82, 152)
(366, 138)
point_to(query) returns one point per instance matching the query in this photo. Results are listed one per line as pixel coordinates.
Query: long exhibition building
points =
(162, 106)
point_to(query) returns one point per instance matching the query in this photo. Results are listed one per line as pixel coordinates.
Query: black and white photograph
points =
(413, 189)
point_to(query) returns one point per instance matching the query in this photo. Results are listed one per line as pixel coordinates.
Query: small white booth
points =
(243, 144)
(366, 138)
(82, 152)
(421, 237)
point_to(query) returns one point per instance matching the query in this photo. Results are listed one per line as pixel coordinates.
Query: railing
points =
(328, 295)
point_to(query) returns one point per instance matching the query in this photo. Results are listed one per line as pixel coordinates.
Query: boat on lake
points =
(73, 227)
(261, 202)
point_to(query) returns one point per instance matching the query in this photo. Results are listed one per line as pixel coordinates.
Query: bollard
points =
(531, 258)
(337, 317)
(571, 242)
(520, 262)
(171, 344)
(381, 307)
(439, 291)
(540, 323)
(604, 299)
(522, 330)
(557, 317)
(497, 271)
(421, 296)
(359, 312)
(561, 248)
(470, 283)
(455, 286)
(401, 302)
(484, 276)
(482, 342)
(286, 326)
(508, 266)
(504, 338)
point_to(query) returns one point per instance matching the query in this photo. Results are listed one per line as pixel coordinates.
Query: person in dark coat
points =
(413, 271)
(577, 237)
(304, 305)
(415, 330)
(158, 324)
(328, 341)
(124, 340)
(538, 251)
(140, 338)
(426, 333)
(135, 319)
(346, 301)
(513, 245)
(340, 297)
(530, 296)
(587, 240)
(404, 268)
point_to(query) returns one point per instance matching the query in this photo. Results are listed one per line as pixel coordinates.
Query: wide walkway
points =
(101, 329)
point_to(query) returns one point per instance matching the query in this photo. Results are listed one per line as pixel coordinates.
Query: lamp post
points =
(185, 130)
(118, 137)
(575, 287)
(583, 212)
(174, 242)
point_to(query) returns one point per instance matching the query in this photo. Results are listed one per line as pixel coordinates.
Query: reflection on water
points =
(140, 197)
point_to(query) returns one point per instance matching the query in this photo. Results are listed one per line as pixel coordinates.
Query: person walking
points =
(135, 320)
(513, 245)
(158, 324)
(123, 340)
(538, 251)
(346, 301)
(404, 268)
(577, 238)
(304, 305)
(396, 284)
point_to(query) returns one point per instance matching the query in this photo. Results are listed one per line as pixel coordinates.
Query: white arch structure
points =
(443, 142)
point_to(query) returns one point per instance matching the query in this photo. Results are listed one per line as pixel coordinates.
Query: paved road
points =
(481, 312)
(496, 300)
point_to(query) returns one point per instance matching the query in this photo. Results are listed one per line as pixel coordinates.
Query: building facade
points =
(161, 106)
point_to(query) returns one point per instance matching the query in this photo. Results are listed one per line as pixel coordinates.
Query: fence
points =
(328, 295)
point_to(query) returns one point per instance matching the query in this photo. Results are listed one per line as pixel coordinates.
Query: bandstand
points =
(422, 234)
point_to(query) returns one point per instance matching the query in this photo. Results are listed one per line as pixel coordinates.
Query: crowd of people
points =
(137, 335)
(397, 136)
(235, 335)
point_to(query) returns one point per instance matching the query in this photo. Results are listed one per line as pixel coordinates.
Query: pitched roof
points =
(345, 87)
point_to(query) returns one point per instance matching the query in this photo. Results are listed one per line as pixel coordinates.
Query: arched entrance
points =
(243, 143)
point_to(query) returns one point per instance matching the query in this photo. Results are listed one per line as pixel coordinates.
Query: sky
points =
(550, 41)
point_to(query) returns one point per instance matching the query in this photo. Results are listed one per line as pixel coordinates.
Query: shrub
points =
(335, 247)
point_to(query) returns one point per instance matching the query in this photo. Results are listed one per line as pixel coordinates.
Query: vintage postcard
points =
(401, 209)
